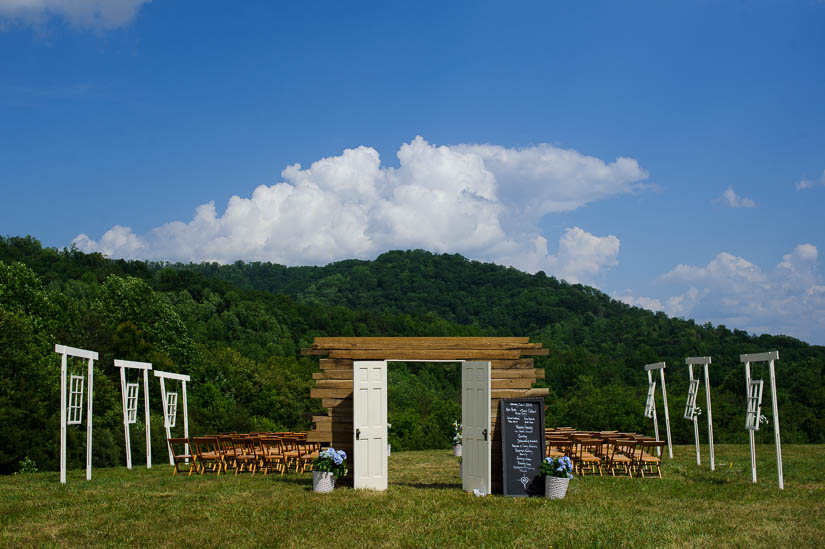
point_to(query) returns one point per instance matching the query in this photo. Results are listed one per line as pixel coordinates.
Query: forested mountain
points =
(237, 330)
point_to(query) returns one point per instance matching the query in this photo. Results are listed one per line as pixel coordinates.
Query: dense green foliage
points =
(237, 330)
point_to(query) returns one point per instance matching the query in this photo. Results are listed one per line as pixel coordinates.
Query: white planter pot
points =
(555, 488)
(322, 482)
(457, 450)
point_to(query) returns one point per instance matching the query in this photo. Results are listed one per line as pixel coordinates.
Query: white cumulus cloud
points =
(731, 199)
(730, 290)
(483, 201)
(102, 14)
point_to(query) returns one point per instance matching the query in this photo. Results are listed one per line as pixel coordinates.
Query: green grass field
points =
(425, 506)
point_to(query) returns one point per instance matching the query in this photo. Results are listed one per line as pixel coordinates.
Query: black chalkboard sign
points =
(522, 445)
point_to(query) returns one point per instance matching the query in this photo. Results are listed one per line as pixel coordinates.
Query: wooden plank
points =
(511, 373)
(322, 420)
(520, 363)
(517, 393)
(337, 403)
(417, 354)
(321, 392)
(329, 343)
(313, 436)
(524, 383)
(333, 384)
(333, 374)
(335, 364)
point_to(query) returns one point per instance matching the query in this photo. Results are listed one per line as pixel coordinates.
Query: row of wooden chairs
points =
(611, 451)
(258, 452)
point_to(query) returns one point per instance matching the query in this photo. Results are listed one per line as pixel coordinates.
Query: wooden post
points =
(63, 375)
(695, 423)
(779, 477)
(750, 432)
(90, 394)
(667, 415)
(710, 417)
(148, 419)
(185, 419)
(125, 418)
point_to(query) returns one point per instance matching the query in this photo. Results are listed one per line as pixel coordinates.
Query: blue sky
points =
(670, 153)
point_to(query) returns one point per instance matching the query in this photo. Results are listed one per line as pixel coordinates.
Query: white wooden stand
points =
(90, 356)
(145, 366)
(769, 358)
(167, 422)
(661, 367)
(705, 361)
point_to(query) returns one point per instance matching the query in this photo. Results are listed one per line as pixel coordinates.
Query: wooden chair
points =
(558, 446)
(227, 449)
(649, 458)
(272, 457)
(587, 455)
(246, 454)
(180, 455)
(207, 452)
(307, 452)
(290, 452)
(620, 456)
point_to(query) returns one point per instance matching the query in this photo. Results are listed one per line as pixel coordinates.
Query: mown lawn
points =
(425, 506)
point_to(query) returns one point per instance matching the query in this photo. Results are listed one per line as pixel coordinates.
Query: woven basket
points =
(322, 482)
(457, 450)
(555, 488)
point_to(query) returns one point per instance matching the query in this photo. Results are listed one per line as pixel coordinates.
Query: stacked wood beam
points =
(511, 376)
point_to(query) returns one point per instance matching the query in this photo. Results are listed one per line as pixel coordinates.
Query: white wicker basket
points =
(555, 488)
(322, 482)
(457, 450)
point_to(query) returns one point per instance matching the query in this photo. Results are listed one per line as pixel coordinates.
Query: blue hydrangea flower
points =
(343, 454)
(337, 459)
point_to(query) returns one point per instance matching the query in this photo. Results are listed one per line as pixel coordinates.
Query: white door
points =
(475, 419)
(369, 418)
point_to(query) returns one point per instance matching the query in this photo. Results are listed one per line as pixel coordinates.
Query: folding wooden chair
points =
(307, 452)
(620, 456)
(180, 455)
(587, 455)
(207, 452)
(290, 452)
(227, 449)
(649, 459)
(272, 457)
(246, 454)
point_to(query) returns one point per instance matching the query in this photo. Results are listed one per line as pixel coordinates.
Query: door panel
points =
(369, 417)
(475, 419)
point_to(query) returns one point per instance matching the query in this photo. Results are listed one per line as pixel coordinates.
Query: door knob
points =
(484, 432)
(358, 434)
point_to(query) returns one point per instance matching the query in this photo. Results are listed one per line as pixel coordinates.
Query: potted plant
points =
(457, 438)
(557, 474)
(328, 466)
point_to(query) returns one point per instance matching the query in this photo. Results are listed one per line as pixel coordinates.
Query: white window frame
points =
(690, 405)
(75, 409)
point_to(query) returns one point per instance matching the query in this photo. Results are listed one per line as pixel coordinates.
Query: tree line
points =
(238, 329)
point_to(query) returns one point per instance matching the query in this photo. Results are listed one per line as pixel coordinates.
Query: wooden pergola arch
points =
(511, 376)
